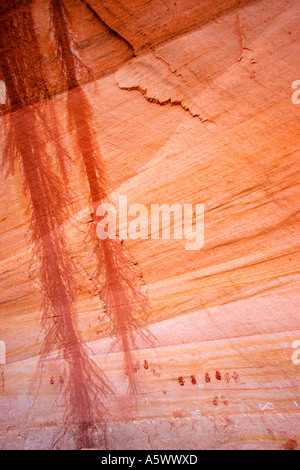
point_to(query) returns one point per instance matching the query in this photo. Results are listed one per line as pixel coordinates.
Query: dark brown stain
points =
(181, 381)
(291, 444)
(218, 375)
(236, 377)
(225, 401)
(193, 380)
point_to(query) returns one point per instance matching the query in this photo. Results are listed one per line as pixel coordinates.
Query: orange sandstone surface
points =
(174, 102)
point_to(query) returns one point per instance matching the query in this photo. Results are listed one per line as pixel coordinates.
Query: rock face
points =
(191, 103)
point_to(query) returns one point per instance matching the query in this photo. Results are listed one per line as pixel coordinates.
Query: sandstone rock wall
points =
(192, 103)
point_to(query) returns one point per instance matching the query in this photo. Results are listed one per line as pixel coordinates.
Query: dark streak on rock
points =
(109, 28)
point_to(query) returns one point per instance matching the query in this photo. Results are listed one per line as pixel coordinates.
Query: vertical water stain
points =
(121, 292)
(85, 387)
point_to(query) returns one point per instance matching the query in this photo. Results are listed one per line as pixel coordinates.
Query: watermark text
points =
(159, 222)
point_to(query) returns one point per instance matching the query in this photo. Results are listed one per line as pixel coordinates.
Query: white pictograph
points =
(268, 406)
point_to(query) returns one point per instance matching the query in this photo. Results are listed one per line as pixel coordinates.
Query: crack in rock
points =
(154, 79)
(108, 27)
